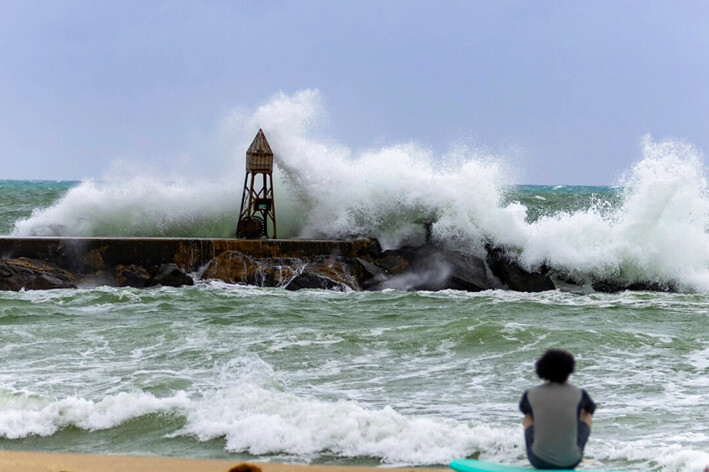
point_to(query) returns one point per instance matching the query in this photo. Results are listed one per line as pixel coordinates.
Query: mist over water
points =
(653, 228)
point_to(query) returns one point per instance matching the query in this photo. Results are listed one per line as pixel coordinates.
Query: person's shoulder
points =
(537, 389)
(588, 404)
(583, 391)
(572, 386)
(585, 394)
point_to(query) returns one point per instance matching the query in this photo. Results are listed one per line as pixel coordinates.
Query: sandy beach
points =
(25, 461)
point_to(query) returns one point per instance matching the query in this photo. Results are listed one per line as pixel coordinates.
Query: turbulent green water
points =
(224, 371)
(20, 198)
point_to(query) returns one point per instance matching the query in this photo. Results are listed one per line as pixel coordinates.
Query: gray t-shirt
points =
(555, 409)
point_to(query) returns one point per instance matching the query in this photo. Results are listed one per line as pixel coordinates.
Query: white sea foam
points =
(244, 404)
(22, 415)
(323, 189)
(137, 206)
(651, 453)
(657, 234)
(260, 421)
(264, 421)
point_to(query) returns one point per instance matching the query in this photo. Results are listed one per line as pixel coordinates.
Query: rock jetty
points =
(361, 264)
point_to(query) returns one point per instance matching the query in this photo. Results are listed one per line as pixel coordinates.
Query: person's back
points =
(557, 415)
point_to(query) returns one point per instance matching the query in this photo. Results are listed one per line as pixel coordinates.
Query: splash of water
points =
(141, 206)
(325, 190)
(657, 233)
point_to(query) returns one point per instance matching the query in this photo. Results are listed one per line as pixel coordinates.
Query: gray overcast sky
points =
(572, 87)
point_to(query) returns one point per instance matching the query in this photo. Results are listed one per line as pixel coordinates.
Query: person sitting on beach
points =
(557, 415)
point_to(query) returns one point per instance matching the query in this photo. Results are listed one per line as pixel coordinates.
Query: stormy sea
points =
(370, 378)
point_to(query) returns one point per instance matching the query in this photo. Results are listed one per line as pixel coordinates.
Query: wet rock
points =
(392, 262)
(293, 273)
(131, 276)
(606, 286)
(328, 273)
(169, 275)
(429, 268)
(338, 270)
(97, 279)
(368, 273)
(513, 276)
(468, 272)
(33, 274)
(652, 287)
(310, 280)
(613, 286)
(373, 250)
(237, 268)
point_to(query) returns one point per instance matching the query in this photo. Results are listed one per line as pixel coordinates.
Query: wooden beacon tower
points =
(257, 218)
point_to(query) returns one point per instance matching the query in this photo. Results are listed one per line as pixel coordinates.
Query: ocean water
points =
(391, 378)
(381, 378)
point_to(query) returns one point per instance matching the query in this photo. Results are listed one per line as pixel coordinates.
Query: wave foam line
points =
(22, 416)
(263, 422)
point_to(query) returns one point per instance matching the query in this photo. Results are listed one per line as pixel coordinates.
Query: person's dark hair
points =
(555, 365)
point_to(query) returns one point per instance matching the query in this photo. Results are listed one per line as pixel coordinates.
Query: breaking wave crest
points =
(254, 420)
(656, 233)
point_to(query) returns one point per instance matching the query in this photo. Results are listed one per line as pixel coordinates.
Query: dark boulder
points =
(468, 272)
(371, 251)
(328, 273)
(131, 276)
(429, 268)
(513, 276)
(369, 274)
(652, 287)
(607, 286)
(392, 262)
(310, 280)
(613, 286)
(33, 274)
(169, 275)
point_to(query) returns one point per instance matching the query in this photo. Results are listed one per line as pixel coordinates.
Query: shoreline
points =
(35, 461)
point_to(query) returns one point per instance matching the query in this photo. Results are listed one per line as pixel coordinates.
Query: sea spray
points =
(651, 230)
(140, 206)
(322, 190)
(386, 192)
(656, 234)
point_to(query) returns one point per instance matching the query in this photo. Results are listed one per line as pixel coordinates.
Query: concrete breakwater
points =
(187, 253)
(42, 263)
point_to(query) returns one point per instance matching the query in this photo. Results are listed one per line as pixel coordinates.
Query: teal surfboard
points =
(472, 465)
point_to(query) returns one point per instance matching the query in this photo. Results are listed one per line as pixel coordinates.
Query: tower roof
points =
(259, 146)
